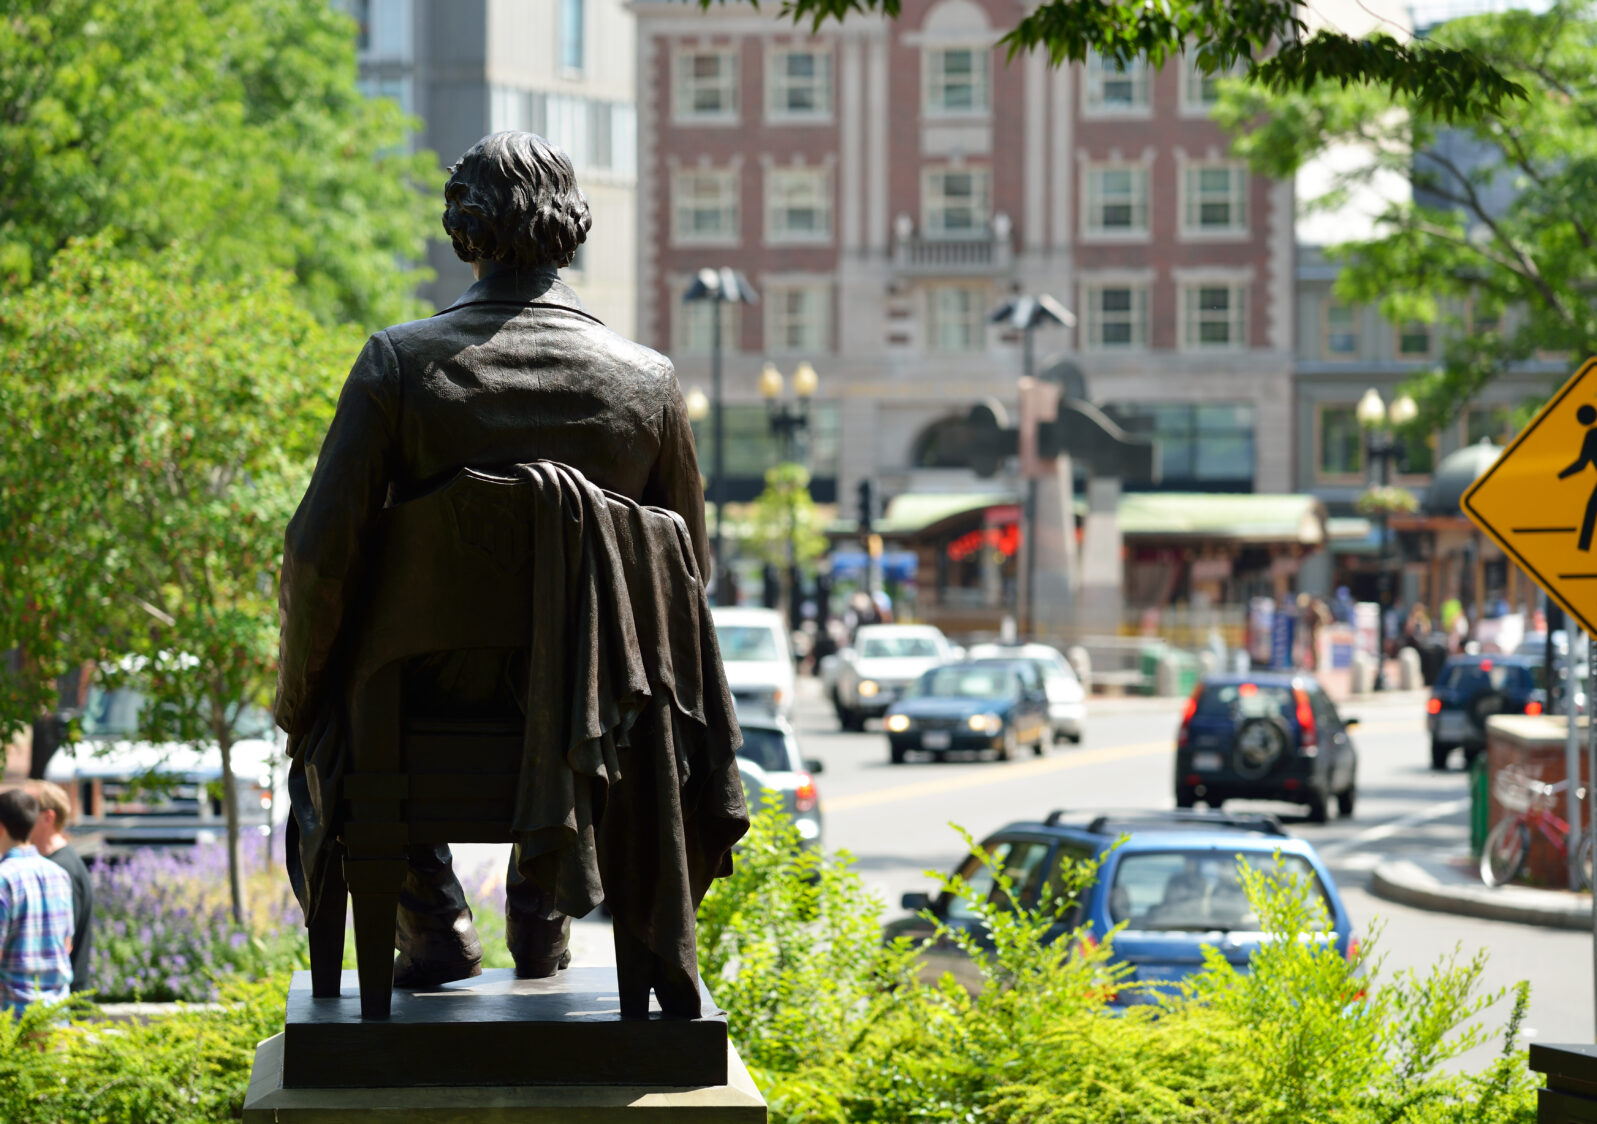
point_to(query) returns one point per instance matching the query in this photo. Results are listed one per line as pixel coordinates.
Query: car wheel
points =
(1184, 798)
(1346, 799)
(1006, 752)
(896, 752)
(1045, 738)
(1319, 810)
(853, 721)
(1439, 755)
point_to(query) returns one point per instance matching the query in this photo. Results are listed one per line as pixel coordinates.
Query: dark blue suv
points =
(1469, 690)
(1174, 883)
(1266, 737)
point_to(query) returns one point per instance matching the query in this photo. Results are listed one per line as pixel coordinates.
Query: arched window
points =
(942, 444)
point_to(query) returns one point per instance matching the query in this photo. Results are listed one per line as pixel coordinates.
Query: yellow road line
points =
(1069, 759)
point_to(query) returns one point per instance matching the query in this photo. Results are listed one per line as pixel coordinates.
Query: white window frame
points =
(1193, 198)
(784, 187)
(1096, 318)
(1192, 103)
(777, 83)
(935, 197)
(1095, 73)
(684, 85)
(933, 79)
(976, 322)
(779, 316)
(690, 324)
(1092, 200)
(685, 194)
(1192, 317)
(1356, 316)
(1400, 329)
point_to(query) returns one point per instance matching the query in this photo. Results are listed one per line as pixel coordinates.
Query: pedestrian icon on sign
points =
(1587, 416)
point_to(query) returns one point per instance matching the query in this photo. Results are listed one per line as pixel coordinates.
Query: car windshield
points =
(967, 683)
(1198, 891)
(767, 748)
(746, 642)
(1241, 701)
(115, 714)
(1471, 678)
(898, 647)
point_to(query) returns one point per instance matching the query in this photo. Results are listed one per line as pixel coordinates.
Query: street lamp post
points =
(1029, 313)
(1381, 444)
(719, 287)
(787, 423)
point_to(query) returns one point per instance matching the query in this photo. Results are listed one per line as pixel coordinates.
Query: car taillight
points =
(1434, 706)
(1186, 717)
(805, 797)
(1353, 948)
(1533, 708)
(1305, 718)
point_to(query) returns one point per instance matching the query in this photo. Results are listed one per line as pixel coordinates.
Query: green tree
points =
(1536, 254)
(785, 514)
(232, 125)
(167, 426)
(1269, 39)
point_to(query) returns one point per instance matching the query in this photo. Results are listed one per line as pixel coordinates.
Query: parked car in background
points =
(1469, 690)
(771, 765)
(1265, 737)
(758, 656)
(134, 793)
(975, 706)
(884, 660)
(1067, 698)
(1174, 882)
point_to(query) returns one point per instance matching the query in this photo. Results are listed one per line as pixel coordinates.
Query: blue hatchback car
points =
(1175, 883)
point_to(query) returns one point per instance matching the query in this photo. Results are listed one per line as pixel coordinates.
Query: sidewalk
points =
(1450, 883)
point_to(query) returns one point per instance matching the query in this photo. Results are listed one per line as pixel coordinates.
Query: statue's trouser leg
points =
(638, 970)
(538, 934)
(434, 935)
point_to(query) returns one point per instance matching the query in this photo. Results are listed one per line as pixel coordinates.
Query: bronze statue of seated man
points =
(515, 371)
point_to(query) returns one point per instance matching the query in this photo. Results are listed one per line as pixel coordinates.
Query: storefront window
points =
(1208, 446)
(1341, 442)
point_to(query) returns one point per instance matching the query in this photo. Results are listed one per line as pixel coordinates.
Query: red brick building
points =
(885, 185)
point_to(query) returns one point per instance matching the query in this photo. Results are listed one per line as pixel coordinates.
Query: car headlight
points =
(869, 687)
(986, 723)
(898, 723)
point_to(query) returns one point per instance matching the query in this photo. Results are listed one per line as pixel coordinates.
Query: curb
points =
(1409, 884)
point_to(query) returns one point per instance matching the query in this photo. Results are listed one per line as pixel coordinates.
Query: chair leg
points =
(326, 933)
(374, 894)
(639, 971)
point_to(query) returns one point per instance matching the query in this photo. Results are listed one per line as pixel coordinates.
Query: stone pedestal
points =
(498, 1049)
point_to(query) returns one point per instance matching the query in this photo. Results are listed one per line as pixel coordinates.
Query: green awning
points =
(915, 511)
(1246, 517)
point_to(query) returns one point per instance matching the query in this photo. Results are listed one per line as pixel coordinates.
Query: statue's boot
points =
(434, 935)
(639, 971)
(538, 934)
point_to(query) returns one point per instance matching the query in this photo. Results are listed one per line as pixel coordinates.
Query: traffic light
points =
(867, 506)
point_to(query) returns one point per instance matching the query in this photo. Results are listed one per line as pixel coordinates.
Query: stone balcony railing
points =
(985, 253)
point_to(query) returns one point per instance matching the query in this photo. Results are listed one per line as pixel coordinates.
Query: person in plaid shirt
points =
(35, 912)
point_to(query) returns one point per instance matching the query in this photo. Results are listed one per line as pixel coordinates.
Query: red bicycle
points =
(1531, 802)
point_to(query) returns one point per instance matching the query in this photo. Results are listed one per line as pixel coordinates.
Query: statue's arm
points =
(674, 481)
(323, 549)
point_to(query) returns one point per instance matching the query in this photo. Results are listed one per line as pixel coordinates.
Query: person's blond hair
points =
(52, 798)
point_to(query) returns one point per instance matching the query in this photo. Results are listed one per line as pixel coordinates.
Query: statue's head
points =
(513, 199)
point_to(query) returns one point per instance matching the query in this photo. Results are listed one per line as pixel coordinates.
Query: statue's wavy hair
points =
(513, 198)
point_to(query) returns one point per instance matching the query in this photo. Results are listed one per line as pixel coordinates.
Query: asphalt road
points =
(896, 821)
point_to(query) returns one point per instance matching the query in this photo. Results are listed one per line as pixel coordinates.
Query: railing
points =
(982, 253)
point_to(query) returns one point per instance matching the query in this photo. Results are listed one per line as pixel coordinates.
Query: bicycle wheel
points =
(1503, 857)
(1582, 852)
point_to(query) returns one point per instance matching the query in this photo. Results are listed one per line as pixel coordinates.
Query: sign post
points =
(1539, 503)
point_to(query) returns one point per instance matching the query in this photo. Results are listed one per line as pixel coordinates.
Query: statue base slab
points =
(269, 1102)
(497, 1030)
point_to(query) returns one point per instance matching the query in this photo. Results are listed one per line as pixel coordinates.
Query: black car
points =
(1469, 690)
(975, 706)
(1265, 737)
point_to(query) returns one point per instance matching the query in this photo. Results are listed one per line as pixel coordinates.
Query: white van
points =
(758, 656)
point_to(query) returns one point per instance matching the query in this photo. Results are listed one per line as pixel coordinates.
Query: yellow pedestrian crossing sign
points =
(1538, 501)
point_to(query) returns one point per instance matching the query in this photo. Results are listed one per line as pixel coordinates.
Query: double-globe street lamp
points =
(719, 287)
(1382, 445)
(787, 423)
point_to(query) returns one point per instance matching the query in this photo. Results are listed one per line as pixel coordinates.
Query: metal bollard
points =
(1167, 676)
(1361, 674)
(1410, 676)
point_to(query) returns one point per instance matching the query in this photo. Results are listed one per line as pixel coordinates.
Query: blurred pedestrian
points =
(35, 912)
(49, 836)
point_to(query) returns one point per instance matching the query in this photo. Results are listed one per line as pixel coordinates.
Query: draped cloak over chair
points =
(620, 782)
